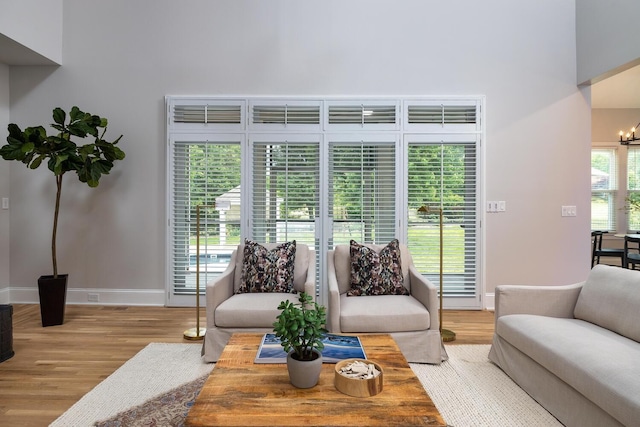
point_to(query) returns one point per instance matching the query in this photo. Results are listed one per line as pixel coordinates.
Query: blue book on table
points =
(336, 348)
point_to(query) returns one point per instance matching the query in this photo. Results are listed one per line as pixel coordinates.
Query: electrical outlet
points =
(5, 203)
(92, 297)
(496, 206)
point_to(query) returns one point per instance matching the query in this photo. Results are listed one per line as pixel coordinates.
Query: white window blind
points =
(604, 186)
(290, 116)
(215, 114)
(362, 191)
(285, 114)
(443, 175)
(441, 114)
(447, 115)
(370, 115)
(205, 174)
(205, 115)
(286, 190)
(633, 188)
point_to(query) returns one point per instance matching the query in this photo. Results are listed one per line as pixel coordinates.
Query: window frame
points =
(621, 212)
(616, 217)
(399, 131)
(176, 299)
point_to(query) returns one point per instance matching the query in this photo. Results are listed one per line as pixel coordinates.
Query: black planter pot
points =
(53, 296)
(6, 332)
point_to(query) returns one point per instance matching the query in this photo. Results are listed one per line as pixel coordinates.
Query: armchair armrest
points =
(310, 281)
(333, 316)
(554, 301)
(426, 292)
(220, 289)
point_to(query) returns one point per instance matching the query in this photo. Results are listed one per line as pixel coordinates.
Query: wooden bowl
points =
(358, 387)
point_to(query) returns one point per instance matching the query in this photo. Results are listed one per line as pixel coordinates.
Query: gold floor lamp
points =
(446, 334)
(197, 333)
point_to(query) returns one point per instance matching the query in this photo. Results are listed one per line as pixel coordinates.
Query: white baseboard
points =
(151, 297)
(4, 296)
(490, 301)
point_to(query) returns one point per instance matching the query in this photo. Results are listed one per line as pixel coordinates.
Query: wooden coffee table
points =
(241, 393)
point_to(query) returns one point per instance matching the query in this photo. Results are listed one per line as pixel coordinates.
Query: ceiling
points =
(619, 91)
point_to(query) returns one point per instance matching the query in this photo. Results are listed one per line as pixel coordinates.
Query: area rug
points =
(156, 369)
(469, 390)
(158, 385)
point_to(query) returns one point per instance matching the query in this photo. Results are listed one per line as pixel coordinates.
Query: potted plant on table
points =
(90, 161)
(301, 328)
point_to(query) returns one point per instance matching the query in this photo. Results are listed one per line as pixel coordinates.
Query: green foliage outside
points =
(289, 172)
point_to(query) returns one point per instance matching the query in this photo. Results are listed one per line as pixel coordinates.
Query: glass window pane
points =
(205, 210)
(362, 187)
(603, 189)
(444, 175)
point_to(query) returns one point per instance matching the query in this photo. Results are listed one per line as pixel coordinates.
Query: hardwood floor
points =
(55, 366)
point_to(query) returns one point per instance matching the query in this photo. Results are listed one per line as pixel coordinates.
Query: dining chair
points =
(598, 251)
(631, 251)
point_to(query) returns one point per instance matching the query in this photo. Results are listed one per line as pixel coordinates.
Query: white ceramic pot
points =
(304, 373)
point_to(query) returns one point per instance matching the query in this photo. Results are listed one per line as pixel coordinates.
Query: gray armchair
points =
(412, 320)
(229, 312)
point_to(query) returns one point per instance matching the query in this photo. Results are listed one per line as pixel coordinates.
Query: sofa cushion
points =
(610, 298)
(598, 363)
(267, 270)
(382, 313)
(342, 264)
(376, 272)
(300, 266)
(251, 310)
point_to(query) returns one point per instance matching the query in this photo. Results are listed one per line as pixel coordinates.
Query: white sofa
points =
(575, 349)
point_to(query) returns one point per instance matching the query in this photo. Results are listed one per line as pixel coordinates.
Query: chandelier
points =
(629, 137)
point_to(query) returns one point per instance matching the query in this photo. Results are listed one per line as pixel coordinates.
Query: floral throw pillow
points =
(265, 270)
(374, 273)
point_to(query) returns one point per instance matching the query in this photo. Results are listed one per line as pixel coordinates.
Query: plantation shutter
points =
(205, 174)
(443, 174)
(205, 115)
(362, 190)
(286, 188)
(323, 171)
(277, 115)
(367, 116)
(447, 115)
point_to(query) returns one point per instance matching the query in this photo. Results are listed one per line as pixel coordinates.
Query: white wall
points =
(522, 56)
(4, 188)
(31, 30)
(607, 38)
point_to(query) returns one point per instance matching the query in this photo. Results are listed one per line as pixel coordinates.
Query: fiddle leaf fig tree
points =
(62, 153)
